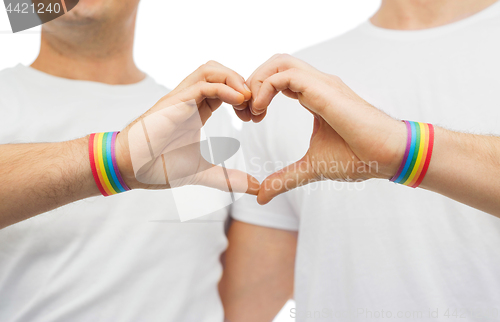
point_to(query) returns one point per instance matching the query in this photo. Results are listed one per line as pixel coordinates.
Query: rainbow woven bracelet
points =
(103, 163)
(418, 153)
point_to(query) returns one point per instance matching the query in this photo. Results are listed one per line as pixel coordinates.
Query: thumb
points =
(229, 180)
(295, 175)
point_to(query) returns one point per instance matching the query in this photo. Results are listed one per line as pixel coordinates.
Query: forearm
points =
(466, 167)
(36, 178)
(258, 274)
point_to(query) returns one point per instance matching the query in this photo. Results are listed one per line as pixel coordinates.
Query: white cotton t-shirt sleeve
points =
(277, 214)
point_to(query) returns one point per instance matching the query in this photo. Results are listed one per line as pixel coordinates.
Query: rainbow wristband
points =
(418, 153)
(103, 163)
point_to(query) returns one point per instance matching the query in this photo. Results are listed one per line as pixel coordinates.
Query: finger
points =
(258, 118)
(205, 112)
(291, 94)
(204, 90)
(241, 107)
(288, 178)
(182, 106)
(266, 62)
(244, 115)
(276, 64)
(254, 81)
(214, 72)
(229, 180)
(214, 103)
(294, 80)
(222, 74)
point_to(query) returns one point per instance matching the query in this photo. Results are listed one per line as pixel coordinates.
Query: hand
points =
(161, 149)
(351, 139)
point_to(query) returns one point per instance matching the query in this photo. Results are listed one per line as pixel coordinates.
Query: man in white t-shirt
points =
(376, 250)
(123, 258)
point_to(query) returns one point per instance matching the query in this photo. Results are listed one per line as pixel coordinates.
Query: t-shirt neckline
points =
(408, 35)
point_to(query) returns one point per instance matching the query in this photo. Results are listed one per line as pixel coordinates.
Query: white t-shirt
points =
(377, 250)
(121, 258)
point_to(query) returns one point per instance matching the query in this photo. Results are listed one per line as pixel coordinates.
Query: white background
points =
(174, 38)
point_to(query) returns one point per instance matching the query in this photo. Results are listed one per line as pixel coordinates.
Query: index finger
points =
(214, 72)
(276, 64)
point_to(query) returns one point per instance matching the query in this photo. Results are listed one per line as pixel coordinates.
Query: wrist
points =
(78, 149)
(387, 152)
(396, 147)
(417, 155)
(102, 156)
(124, 161)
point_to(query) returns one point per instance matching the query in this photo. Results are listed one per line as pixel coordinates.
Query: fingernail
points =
(239, 107)
(246, 87)
(257, 112)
